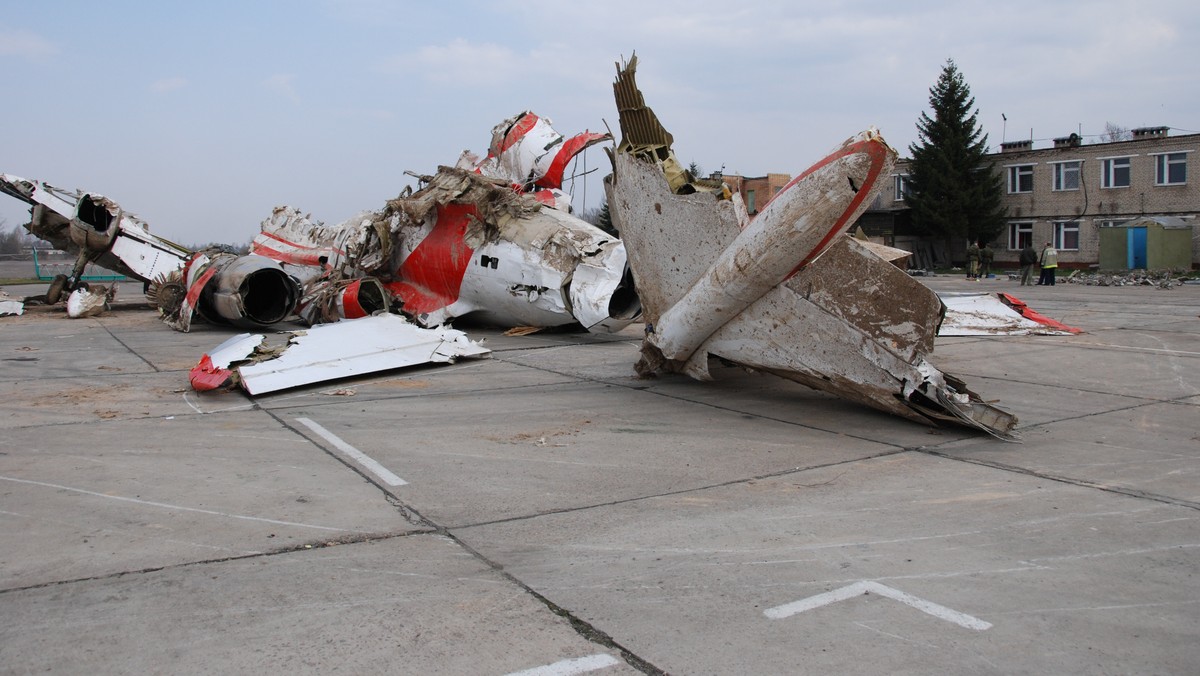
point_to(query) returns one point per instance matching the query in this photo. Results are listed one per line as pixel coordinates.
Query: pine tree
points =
(604, 220)
(954, 189)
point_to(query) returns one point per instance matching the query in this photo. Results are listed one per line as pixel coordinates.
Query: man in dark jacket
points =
(1028, 259)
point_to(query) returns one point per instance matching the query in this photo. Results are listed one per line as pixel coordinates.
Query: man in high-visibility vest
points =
(1049, 262)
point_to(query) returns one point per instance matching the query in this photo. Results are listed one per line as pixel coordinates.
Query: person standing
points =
(985, 260)
(1028, 259)
(973, 261)
(1049, 262)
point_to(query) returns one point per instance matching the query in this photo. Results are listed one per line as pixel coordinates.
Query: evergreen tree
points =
(604, 220)
(953, 189)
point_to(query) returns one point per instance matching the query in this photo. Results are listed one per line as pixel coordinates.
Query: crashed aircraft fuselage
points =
(786, 292)
(95, 229)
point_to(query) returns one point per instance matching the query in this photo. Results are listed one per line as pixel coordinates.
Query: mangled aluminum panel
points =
(468, 245)
(89, 301)
(788, 294)
(245, 291)
(10, 305)
(996, 314)
(332, 351)
(493, 239)
(96, 229)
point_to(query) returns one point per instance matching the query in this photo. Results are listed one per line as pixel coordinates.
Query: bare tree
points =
(15, 242)
(1114, 132)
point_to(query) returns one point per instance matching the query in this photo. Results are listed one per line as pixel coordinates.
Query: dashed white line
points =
(579, 665)
(358, 456)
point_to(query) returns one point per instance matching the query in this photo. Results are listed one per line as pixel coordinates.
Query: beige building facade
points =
(1066, 193)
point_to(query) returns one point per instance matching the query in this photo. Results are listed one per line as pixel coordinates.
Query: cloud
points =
(463, 63)
(281, 83)
(168, 84)
(25, 44)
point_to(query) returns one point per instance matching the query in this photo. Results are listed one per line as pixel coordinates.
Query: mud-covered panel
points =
(671, 239)
(876, 297)
(784, 334)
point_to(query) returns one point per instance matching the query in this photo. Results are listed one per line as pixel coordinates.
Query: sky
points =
(201, 117)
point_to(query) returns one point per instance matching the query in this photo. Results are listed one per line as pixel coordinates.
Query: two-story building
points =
(1066, 194)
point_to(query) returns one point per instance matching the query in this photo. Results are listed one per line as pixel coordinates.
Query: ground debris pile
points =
(1163, 279)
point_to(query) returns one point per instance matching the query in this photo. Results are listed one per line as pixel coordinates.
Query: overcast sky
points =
(203, 116)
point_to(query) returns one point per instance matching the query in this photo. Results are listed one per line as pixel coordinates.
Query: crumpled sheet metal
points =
(11, 306)
(469, 244)
(528, 152)
(798, 224)
(996, 314)
(848, 323)
(89, 301)
(332, 351)
(246, 291)
(76, 221)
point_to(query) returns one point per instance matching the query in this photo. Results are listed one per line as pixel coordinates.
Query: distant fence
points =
(49, 264)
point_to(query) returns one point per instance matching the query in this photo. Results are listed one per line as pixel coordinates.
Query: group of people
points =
(979, 263)
(1047, 260)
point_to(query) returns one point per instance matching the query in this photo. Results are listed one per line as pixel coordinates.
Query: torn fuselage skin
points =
(788, 294)
(94, 228)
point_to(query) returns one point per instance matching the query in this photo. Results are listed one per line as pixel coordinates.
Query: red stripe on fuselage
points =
(313, 258)
(431, 277)
(350, 306)
(569, 149)
(518, 131)
(877, 151)
(193, 292)
(304, 255)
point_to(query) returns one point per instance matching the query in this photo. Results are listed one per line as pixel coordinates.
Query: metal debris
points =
(329, 352)
(1163, 279)
(996, 314)
(785, 293)
(89, 301)
(11, 306)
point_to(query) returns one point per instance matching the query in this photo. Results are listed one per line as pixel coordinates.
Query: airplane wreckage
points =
(786, 292)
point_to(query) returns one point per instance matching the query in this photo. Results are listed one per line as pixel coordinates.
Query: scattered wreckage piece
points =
(528, 153)
(996, 314)
(89, 301)
(215, 368)
(94, 228)
(469, 245)
(11, 306)
(1163, 279)
(249, 291)
(788, 294)
(330, 351)
(491, 238)
(225, 288)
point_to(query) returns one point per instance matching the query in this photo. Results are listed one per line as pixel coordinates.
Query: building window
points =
(900, 186)
(1020, 235)
(1114, 172)
(750, 206)
(1020, 178)
(1170, 169)
(1066, 175)
(1066, 235)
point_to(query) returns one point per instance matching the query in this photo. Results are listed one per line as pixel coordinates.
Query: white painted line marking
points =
(579, 665)
(868, 587)
(358, 456)
(167, 506)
